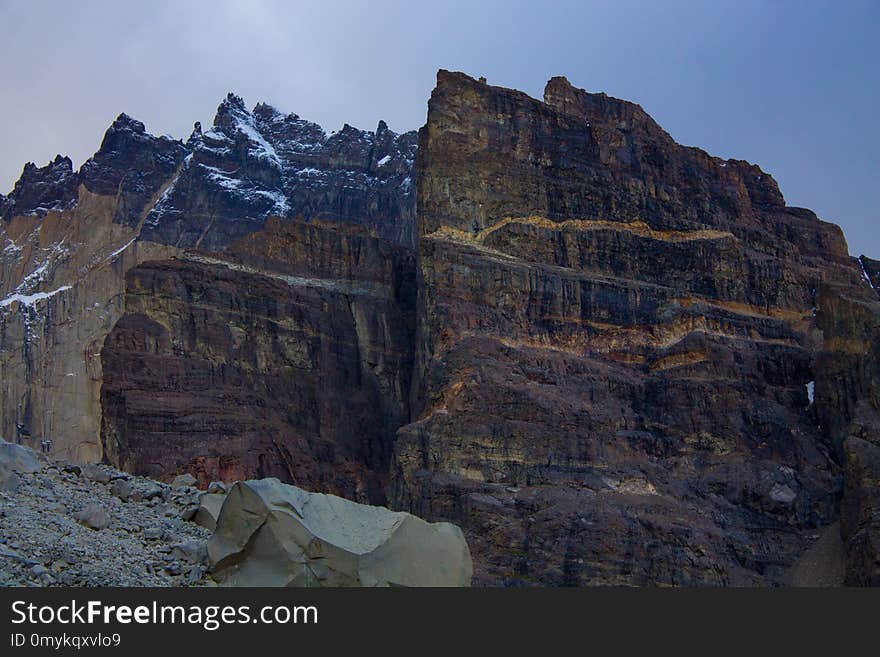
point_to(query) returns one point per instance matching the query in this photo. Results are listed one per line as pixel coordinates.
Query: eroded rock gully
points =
(609, 358)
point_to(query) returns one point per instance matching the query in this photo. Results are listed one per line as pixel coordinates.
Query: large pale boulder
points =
(209, 510)
(273, 534)
(14, 459)
(18, 457)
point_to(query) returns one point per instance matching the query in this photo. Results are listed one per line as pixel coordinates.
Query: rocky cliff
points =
(69, 238)
(616, 348)
(610, 358)
(290, 356)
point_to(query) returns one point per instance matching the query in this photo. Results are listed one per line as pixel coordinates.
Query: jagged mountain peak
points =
(60, 164)
(232, 113)
(253, 164)
(126, 122)
(40, 190)
(230, 104)
(223, 182)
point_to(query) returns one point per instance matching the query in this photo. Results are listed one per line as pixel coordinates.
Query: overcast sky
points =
(792, 86)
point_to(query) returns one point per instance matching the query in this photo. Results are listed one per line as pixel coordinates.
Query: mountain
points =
(70, 237)
(610, 358)
(615, 384)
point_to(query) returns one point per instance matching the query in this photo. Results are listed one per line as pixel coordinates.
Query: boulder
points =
(184, 480)
(191, 552)
(274, 534)
(148, 490)
(97, 472)
(9, 481)
(218, 487)
(93, 517)
(18, 458)
(121, 488)
(13, 459)
(209, 510)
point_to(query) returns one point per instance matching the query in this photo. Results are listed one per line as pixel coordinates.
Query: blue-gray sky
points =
(791, 85)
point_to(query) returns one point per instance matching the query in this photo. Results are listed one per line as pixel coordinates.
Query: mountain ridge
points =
(610, 358)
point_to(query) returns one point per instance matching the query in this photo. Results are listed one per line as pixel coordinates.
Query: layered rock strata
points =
(68, 238)
(610, 358)
(290, 356)
(615, 349)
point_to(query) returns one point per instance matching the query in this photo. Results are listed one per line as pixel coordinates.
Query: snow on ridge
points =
(37, 275)
(222, 178)
(216, 136)
(265, 151)
(12, 247)
(121, 249)
(865, 273)
(31, 299)
(281, 207)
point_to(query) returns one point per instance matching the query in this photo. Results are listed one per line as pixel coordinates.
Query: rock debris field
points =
(91, 525)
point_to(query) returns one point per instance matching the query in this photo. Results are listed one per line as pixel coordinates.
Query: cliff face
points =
(252, 165)
(69, 238)
(615, 347)
(848, 411)
(289, 356)
(610, 358)
(60, 293)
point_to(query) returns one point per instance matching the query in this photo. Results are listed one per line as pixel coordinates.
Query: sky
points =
(791, 85)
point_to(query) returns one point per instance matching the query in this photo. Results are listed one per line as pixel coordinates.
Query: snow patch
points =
(264, 149)
(31, 299)
(385, 160)
(811, 390)
(36, 276)
(12, 247)
(865, 273)
(216, 136)
(121, 249)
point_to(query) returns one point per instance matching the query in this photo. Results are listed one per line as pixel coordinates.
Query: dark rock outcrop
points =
(132, 164)
(290, 357)
(847, 396)
(860, 512)
(615, 344)
(42, 189)
(252, 165)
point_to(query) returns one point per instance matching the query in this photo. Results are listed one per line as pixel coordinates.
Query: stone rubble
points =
(72, 526)
(93, 525)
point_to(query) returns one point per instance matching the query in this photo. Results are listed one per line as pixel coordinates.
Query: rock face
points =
(68, 238)
(847, 397)
(272, 534)
(252, 165)
(288, 357)
(616, 337)
(860, 512)
(610, 358)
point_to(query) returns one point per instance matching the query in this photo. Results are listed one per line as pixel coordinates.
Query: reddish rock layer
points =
(288, 358)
